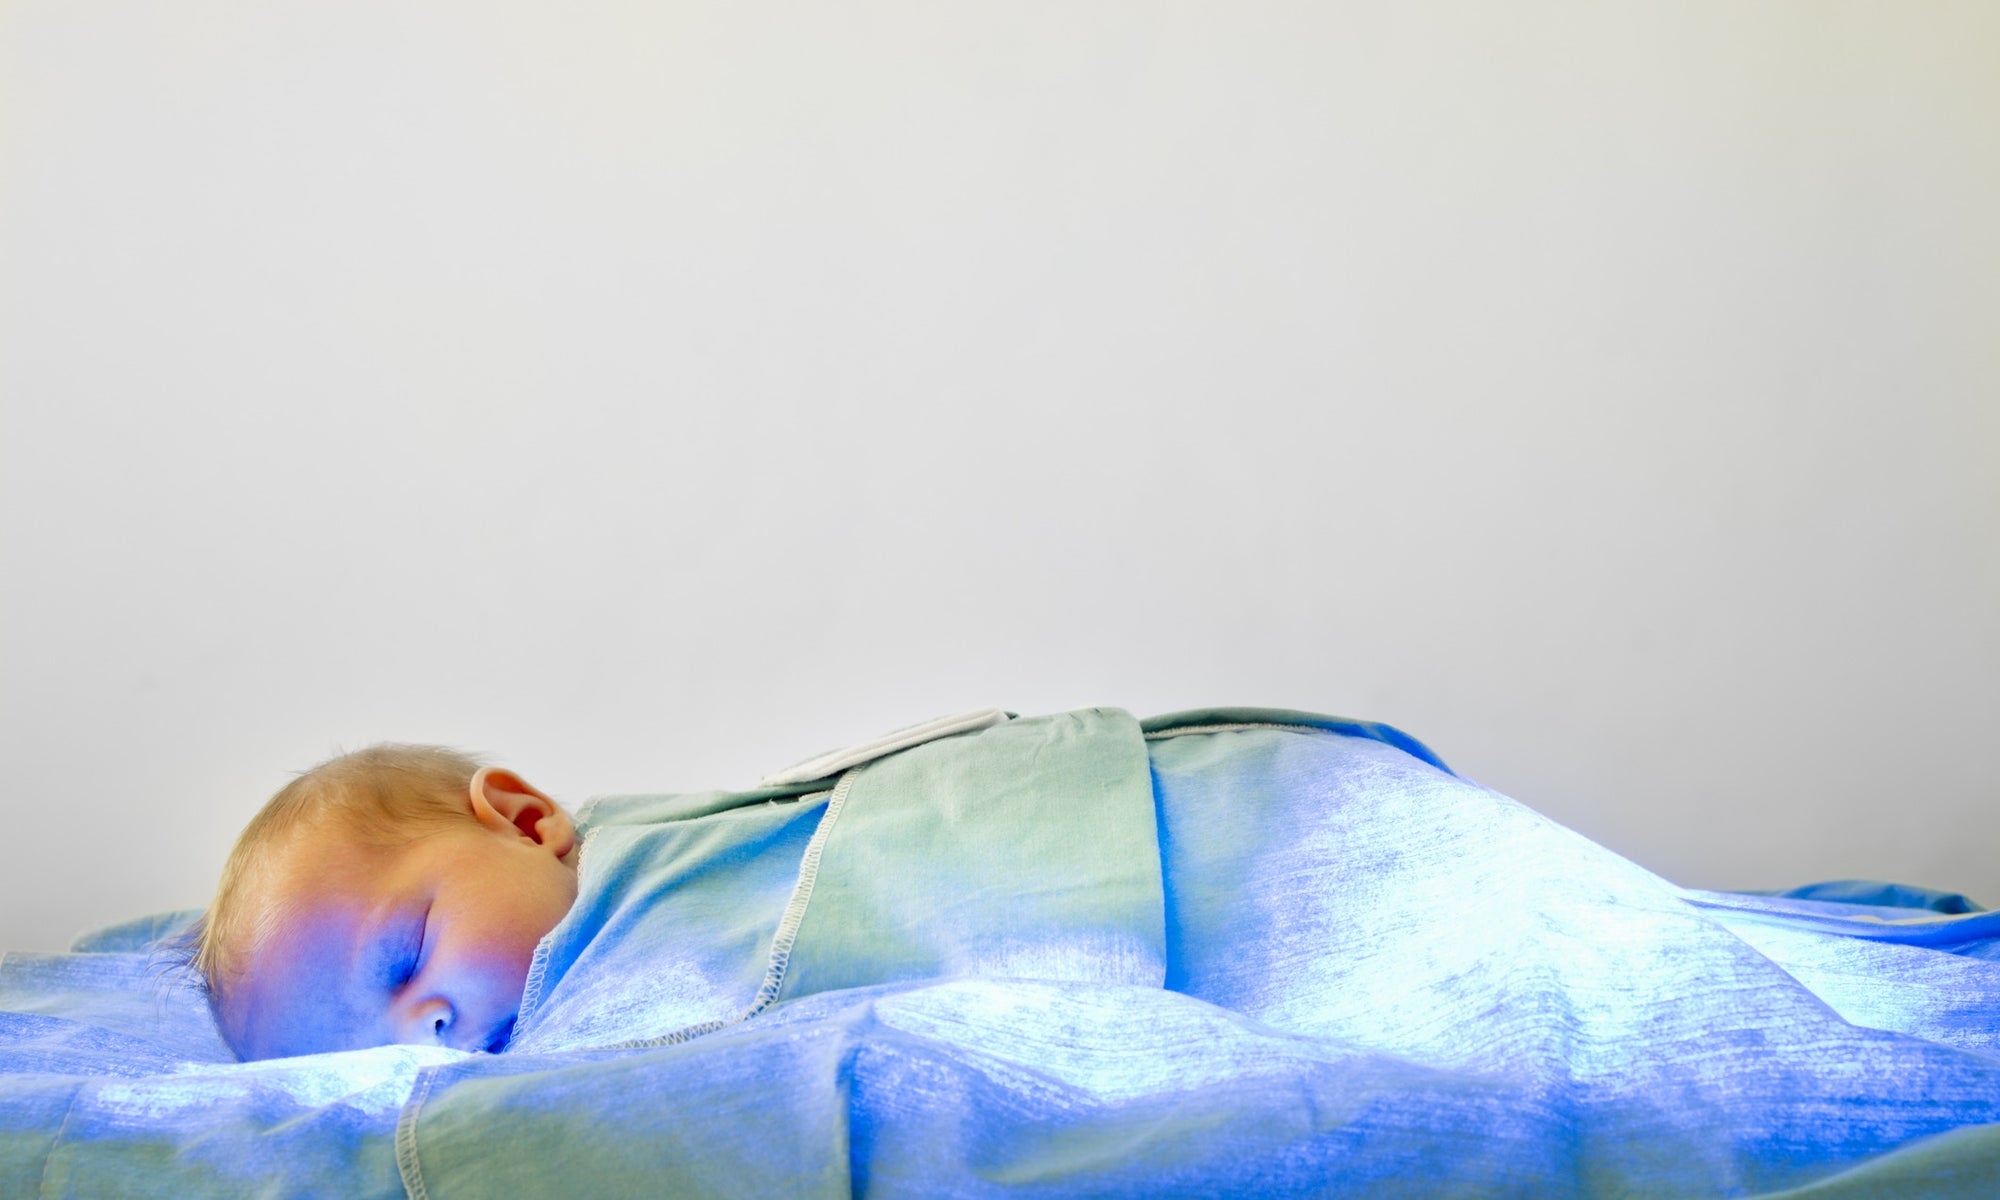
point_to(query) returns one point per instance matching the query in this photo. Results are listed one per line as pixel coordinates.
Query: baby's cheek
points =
(488, 982)
(499, 963)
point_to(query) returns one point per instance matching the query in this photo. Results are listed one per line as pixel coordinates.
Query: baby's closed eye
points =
(408, 956)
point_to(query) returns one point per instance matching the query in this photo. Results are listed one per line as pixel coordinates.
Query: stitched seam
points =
(407, 1164)
(795, 908)
(783, 940)
(677, 1036)
(1933, 932)
(1228, 727)
(531, 993)
(586, 811)
(42, 1188)
(1924, 921)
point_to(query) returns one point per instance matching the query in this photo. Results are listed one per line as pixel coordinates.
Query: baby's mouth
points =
(498, 1041)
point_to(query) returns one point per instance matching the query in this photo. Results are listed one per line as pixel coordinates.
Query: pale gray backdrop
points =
(654, 394)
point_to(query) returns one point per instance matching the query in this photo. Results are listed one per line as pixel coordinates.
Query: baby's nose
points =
(428, 1023)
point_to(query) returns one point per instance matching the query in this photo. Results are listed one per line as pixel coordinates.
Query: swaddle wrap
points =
(1022, 850)
(1393, 982)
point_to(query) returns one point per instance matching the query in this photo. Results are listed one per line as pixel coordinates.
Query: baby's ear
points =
(506, 803)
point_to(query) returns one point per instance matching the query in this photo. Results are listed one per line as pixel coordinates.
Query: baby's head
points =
(395, 894)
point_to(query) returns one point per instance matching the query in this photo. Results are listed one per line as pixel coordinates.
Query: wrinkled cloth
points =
(1235, 952)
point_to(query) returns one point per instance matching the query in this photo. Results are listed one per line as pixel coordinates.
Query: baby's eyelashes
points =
(408, 958)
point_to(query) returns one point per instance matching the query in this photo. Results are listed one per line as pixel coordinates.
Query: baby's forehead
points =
(334, 844)
(312, 877)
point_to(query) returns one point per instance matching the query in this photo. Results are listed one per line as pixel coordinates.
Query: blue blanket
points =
(1233, 952)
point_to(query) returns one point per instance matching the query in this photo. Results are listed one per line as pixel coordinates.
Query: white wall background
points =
(654, 394)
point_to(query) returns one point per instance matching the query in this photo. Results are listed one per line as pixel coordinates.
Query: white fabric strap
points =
(835, 761)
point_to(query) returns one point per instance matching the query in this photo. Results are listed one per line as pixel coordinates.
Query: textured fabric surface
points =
(1395, 907)
(1025, 850)
(1381, 979)
(688, 906)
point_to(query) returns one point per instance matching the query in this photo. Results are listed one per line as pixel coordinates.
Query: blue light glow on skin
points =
(427, 942)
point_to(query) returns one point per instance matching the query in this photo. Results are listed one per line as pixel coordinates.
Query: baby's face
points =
(429, 942)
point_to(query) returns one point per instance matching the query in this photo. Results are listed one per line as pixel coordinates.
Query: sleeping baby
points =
(1069, 946)
(395, 894)
(411, 894)
(1322, 876)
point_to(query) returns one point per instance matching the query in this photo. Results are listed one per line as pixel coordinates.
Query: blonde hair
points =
(385, 794)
